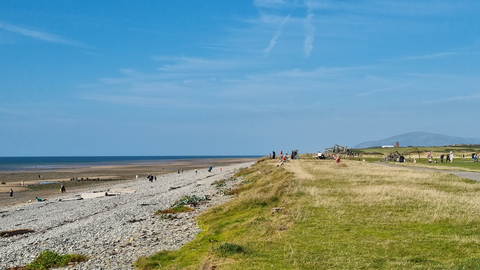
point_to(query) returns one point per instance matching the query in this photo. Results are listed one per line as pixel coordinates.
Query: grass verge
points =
(352, 215)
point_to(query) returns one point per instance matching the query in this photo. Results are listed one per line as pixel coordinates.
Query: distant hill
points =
(419, 139)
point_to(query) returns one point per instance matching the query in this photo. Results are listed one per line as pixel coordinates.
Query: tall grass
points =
(351, 215)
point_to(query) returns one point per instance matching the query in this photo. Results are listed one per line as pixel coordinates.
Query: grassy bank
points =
(313, 214)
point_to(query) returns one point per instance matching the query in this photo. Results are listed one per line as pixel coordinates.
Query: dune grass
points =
(351, 215)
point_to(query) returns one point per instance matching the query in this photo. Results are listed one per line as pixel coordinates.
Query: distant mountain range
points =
(419, 139)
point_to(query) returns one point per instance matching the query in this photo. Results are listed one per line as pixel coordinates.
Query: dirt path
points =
(299, 171)
(468, 175)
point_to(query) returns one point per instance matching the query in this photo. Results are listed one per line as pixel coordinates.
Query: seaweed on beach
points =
(194, 200)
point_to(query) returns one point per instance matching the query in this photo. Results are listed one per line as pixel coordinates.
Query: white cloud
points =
(383, 89)
(429, 56)
(452, 99)
(38, 35)
(269, 3)
(399, 7)
(310, 32)
(273, 41)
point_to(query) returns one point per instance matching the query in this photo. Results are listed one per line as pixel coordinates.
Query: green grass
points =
(228, 249)
(174, 210)
(48, 259)
(352, 215)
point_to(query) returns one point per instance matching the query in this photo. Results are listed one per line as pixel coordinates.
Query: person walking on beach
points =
(62, 188)
(451, 156)
(11, 193)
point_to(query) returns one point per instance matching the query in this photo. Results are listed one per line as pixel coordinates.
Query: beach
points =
(112, 230)
(108, 175)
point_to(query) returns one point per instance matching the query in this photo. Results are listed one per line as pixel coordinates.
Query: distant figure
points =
(136, 177)
(11, 193)
(447, 158)
(363, 160)
(62, 188)
(38, 199)
(414, 161)
(338, 159)
(269, 155)
(155, 178)
(196, 171)
(281, 152)
(451, 156)
(220, 168)
(273, 154)
(441, 158)
(210, 169)
(319, 155)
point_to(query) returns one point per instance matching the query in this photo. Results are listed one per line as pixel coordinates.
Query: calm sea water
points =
(49, 163)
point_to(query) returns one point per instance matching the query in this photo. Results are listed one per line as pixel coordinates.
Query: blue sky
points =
(190, 77)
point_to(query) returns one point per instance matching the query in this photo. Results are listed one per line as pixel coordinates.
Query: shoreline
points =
(123, 174)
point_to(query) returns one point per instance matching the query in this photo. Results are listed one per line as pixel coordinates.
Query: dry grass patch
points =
(351, 215)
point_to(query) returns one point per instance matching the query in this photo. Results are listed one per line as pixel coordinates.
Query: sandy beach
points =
(108, 175)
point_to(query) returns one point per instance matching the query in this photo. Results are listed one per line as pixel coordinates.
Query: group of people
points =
(151, 177)
(448, 157)
(282, 158)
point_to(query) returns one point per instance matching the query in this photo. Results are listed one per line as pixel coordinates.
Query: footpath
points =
(468, 175)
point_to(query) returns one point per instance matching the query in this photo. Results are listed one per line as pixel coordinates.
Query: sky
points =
(191, 77)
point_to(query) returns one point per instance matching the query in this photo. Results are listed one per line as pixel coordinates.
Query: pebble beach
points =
(113, 231)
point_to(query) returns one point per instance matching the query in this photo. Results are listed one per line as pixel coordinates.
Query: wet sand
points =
(108, 175)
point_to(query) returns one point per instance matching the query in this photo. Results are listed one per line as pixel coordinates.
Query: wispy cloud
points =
(310, 32)
(452, 99)
(38, 35)
(269, 3)
(273, 41)
(398, 7)
(429, 56)
(383, 89)
(324, 72)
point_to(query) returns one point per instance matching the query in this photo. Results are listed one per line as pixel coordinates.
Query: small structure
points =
(294, 154)
(394, 156)
(338, 149)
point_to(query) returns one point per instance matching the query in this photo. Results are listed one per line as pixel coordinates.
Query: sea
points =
(52, 163)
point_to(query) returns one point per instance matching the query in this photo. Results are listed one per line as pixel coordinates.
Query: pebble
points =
(112, 230)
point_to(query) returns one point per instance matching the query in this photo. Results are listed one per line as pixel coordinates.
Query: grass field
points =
(462, 156)
(312, 214)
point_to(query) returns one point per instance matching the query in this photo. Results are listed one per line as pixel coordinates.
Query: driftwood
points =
(95, 179)
(15, 232)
